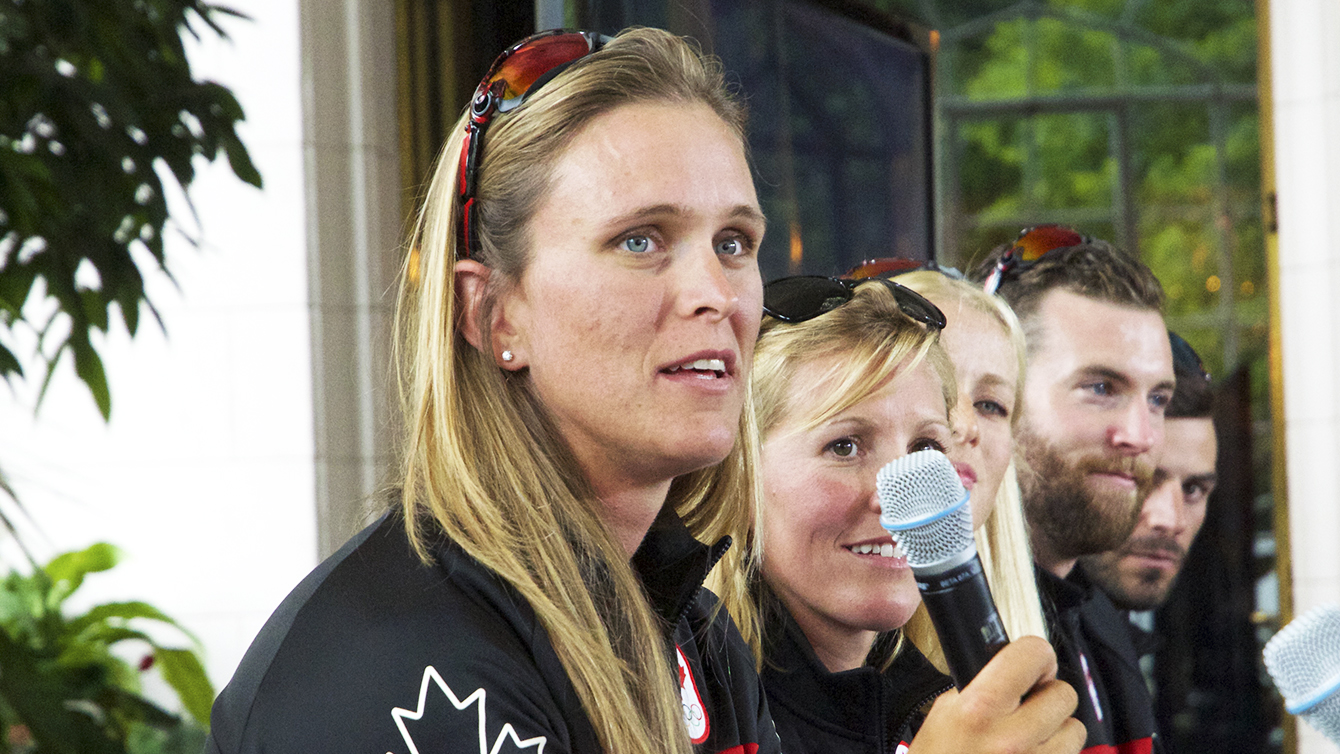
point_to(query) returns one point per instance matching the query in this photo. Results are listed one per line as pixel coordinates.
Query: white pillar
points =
(1305, 60)
(354, 223)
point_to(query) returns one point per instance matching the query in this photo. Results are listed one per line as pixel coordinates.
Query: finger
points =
(1019, 667)
(1043, 714)
(1069, 739)
(1051, 700)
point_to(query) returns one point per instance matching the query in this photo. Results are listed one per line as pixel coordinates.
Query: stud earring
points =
(507, 356)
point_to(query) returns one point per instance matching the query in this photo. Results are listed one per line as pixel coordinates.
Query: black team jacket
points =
(860, 711)
(375, 652)
(1096, 655)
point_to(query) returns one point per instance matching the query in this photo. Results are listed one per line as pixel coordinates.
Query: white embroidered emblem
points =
(476, 698)
(695, 714)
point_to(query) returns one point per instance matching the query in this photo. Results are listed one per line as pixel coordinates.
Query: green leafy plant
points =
(98, 111)
(64, 690)
(97, 107)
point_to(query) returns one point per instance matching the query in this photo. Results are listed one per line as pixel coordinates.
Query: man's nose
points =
(1135, 429)
(1162, 510)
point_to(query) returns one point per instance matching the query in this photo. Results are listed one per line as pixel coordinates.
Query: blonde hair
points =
(483, 464)
(1002, 540)
(868, 341)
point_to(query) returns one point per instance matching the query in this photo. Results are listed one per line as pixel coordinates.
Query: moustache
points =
(1138, 468)
(1155, 545)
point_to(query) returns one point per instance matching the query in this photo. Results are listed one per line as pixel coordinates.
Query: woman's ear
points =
(471, 280)
(472, 287)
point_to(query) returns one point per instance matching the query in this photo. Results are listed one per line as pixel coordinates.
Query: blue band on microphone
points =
(932, 518)
(1298, 708)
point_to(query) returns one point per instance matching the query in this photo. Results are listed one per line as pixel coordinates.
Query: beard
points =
(1136, 588)
(1073, 517)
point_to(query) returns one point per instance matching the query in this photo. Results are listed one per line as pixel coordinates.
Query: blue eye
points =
(991, 408)
(1160, 400)
(1099, 388)
(730, 247)
(637, 244)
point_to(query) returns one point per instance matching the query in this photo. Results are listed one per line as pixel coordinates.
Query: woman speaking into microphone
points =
(848, 376)
(576, 328)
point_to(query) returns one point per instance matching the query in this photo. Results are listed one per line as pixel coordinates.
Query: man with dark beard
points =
(1099, 377)
(1138, 574)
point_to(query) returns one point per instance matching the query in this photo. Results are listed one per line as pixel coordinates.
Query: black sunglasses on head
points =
(804, 297)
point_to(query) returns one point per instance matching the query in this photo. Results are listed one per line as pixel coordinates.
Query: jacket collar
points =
(1106, 624)
(797, 679)
(1066, 594)
(673, 565)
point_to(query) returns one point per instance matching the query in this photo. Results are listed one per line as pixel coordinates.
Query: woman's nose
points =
(704, 286)
(966, 430)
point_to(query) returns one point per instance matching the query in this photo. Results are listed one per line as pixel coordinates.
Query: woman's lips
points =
(966, 475)
(883, 554)
(722, 363)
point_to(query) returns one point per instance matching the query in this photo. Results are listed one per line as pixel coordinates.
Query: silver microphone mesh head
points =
(1304, 660)
(923, 504)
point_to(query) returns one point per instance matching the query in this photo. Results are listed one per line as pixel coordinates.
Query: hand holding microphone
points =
(1016, 703)
(925, 507)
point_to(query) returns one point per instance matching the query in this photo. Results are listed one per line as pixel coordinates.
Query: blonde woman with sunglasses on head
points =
(849, 376)
(577, 327)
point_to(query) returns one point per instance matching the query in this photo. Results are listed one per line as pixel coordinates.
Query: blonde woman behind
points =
(986, 345)
(848, 377)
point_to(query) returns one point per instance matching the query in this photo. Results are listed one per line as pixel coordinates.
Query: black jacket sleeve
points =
(377, 652)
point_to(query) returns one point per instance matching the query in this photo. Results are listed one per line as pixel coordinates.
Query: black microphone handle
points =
(960, 605)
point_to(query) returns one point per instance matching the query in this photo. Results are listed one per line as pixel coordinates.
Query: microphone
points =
(1304, 661)
(923, 504)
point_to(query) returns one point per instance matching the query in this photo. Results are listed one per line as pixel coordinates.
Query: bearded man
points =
(1099, 378)
(1139, 574)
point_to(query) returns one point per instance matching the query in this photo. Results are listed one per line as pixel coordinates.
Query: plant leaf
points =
(125, 611)
(240, 161)
(92, 642)
(71, 567)
(8, 524)
(8, 363)
(88, 365)
(182, 670)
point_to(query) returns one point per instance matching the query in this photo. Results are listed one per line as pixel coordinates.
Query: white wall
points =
(204, 476)
(1305, 59)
